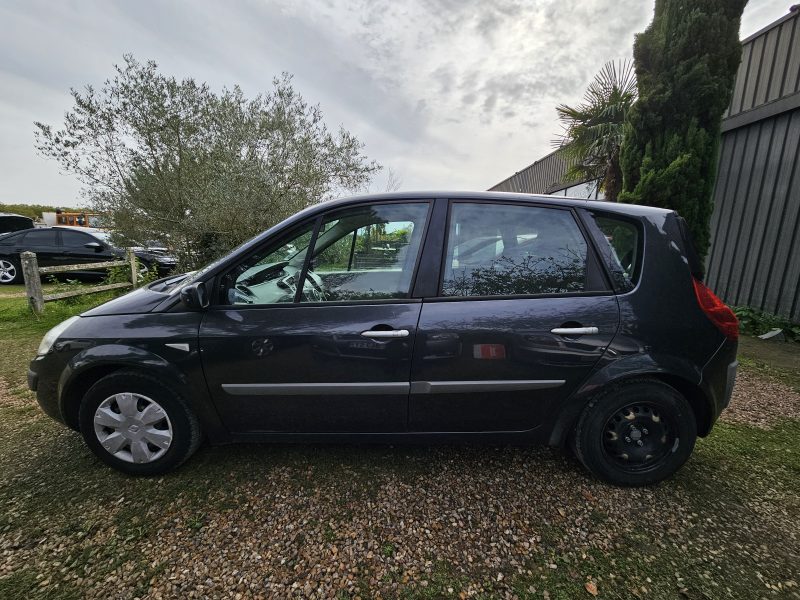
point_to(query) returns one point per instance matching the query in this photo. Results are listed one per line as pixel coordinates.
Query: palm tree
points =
(593, 131)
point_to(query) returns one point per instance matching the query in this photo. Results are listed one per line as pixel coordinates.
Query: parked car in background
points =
(10, 222)
(56, 246)
(569, 322)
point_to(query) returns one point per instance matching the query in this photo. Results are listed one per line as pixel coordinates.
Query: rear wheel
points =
(138, 424)
(10, 271)
(637, 433)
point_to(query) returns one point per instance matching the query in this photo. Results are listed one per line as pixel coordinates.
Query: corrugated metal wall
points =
(542, 177)
(755, 248)
(770, 67)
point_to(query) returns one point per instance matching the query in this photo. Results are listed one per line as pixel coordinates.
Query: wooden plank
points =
(84, 291)
(84, 266)
(33, 283)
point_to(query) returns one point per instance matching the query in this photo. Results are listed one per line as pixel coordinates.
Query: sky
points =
(447, 94)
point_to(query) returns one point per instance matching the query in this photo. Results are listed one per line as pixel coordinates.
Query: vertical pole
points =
(33, 283)
(134, 268)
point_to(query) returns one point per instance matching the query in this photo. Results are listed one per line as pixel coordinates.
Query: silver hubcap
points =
(133, 427)
(7, 271)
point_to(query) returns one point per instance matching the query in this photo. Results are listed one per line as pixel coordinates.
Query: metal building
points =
(755, 252)
(755, 245)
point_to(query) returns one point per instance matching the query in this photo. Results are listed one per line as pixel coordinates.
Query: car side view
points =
(445, 316)
(59, 246)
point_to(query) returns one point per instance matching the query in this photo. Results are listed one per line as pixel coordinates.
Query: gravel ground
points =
(761, 402)
(403, 522)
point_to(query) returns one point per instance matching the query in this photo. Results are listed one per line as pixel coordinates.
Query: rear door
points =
(522, 315)
(44, 243)
(332, 354)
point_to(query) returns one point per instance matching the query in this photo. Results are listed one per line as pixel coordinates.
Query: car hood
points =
(142, 300)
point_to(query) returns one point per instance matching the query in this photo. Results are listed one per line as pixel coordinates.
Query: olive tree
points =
(202, 170)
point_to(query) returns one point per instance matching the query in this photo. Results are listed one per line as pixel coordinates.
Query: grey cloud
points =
(439, 90)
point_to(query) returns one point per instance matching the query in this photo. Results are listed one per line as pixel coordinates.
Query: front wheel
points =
(137, 424)
(637, 433)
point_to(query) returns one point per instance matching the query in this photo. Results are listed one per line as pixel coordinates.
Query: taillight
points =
(716, 310)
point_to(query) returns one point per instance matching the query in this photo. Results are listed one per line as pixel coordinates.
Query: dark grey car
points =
(413, 317)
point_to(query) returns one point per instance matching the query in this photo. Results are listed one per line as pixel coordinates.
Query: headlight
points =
(51, 336)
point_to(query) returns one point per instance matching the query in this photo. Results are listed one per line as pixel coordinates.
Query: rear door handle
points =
(392, 333)
(575, 331)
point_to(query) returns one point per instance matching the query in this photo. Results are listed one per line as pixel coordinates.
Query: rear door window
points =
(40, 237)
(507, 250)
(623, 250)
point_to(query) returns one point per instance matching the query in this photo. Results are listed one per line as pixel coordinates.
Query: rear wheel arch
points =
(700, 403)
(638, 432)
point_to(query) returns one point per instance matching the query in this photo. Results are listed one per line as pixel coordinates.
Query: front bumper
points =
(33, 380)
(43, 379)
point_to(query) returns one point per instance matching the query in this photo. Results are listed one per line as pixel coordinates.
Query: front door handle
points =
(575, 331)
(392, 333)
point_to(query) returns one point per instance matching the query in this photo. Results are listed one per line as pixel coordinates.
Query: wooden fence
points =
(31, 272)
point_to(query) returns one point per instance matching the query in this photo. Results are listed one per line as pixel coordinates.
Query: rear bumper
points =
(718, 379)
(731, 380)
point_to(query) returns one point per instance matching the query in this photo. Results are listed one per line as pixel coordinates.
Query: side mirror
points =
(96, 246)
(195, 296)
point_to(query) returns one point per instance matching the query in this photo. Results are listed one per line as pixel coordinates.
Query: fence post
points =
(33, 283)
(134, 268)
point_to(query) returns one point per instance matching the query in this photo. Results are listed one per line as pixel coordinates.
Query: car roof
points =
(628, 209)
(83, 229)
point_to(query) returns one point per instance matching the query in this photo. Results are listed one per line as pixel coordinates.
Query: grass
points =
(725, 526)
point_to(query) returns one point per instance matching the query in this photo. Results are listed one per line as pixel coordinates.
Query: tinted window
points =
(623, 249)
(75, 239)
(41, 237)
(368, 253)
(503, 250)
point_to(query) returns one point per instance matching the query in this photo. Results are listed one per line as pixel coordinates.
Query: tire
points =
(636, 433)
(10, 271)
(134, 413)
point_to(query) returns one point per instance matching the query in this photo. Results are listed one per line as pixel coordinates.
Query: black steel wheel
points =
(638, 436)
(636, 433)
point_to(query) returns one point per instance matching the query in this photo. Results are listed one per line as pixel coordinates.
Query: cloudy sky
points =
(454, 94)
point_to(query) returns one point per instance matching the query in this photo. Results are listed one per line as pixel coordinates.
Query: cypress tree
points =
(686, 61)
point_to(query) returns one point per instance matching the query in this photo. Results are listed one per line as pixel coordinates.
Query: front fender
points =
(184, 373)
(118, 355)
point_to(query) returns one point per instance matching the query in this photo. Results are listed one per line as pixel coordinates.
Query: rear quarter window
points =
(623, 249)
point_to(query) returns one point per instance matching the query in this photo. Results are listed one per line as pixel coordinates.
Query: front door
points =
(521, 318)
(313, 333)
(76, 251)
